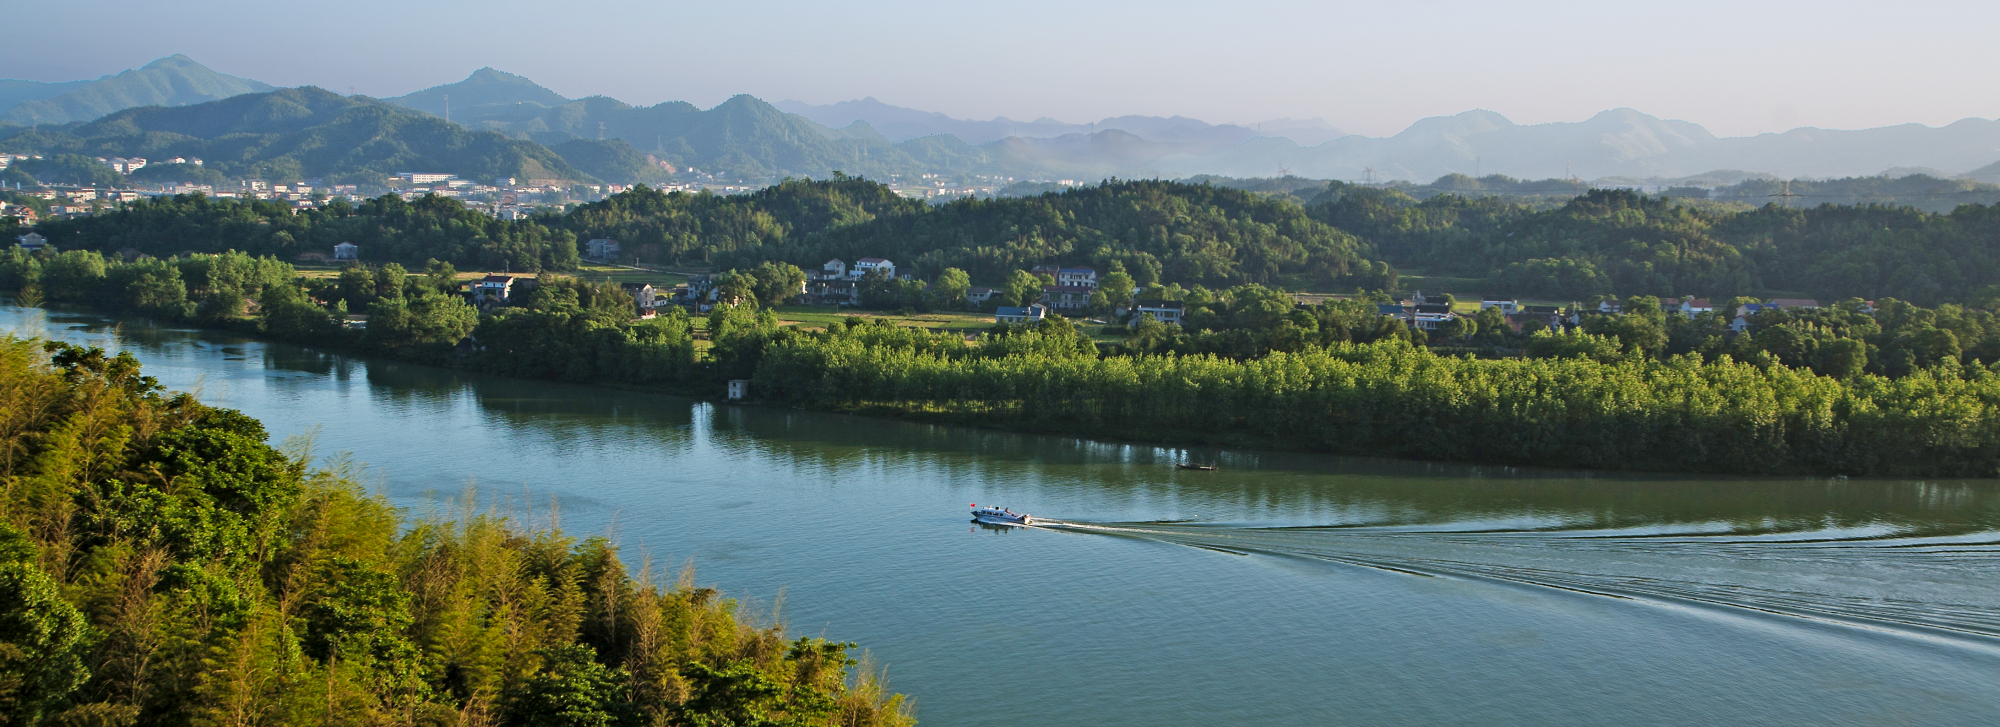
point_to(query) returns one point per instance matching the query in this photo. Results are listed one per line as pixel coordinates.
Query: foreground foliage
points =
(161, 565)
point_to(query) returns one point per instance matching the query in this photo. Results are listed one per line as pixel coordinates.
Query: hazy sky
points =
(1372, 67)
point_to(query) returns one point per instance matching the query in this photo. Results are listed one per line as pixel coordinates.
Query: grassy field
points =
(593, 272)
(815, 316)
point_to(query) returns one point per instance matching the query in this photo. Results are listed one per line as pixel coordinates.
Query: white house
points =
(642, 293)
(1024, 314)
(1066, 297)
(868, 265)
(1164, 311)
(346, 251)
(602, 248)
(835, 268)
(1077, 277)
(32, 241)
(976, 295)
(1506, 306)
(494, 287)
(1428, 316)
(1697, 307)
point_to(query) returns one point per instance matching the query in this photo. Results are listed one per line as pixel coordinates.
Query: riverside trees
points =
(161, 564)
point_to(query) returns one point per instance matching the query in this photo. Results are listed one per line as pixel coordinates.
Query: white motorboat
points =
(999, 516)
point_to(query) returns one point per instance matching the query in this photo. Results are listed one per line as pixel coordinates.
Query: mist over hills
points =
(175, 80)
(1616, 143)
(899, 123)
(746, 138)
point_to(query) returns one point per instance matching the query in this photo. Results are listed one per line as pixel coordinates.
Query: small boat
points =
(999, 516)
(1202, 467)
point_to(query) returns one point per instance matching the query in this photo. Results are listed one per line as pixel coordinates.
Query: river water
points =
(1282, 589)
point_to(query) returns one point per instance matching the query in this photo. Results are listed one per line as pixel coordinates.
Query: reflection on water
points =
(1283, 588)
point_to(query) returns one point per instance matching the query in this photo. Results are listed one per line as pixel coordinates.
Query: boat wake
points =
(1881, 578)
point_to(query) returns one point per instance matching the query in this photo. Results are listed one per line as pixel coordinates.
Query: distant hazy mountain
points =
(1621, 142)
(741, 138)
(475, 95)
(298, 133)
(748, 138)
(175, 80)
(14, 93)
(899, 124)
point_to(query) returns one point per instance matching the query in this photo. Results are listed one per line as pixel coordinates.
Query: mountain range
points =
(556, 137)
(296, 133)
(1617, 143)
(899, 123)
(175, 80)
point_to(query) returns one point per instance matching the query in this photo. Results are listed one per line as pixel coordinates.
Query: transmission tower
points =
(1786, 194)
(1370, 171)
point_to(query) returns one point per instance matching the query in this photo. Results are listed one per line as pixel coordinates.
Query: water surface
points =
(1283, 589)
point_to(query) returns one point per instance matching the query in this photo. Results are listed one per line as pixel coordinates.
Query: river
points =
(1282, 589)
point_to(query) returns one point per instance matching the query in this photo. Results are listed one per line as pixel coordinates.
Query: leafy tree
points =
(951, 288)
(777, 283)
(43, 639)
(571, 690)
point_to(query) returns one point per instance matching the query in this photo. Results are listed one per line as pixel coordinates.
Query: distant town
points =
(502, 197)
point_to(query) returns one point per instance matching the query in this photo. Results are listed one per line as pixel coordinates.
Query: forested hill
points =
(1619, 242)
(297, 133)
(1605, 242)
(1159, 230)
(175, 80)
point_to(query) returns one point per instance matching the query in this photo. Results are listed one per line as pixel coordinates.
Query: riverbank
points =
(1385, 400)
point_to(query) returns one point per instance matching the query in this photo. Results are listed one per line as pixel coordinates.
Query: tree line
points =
(1614, 241)
(1389, 398)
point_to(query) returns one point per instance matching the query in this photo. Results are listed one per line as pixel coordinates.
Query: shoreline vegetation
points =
(1386, 398)
(160, 564)
(1853, 388)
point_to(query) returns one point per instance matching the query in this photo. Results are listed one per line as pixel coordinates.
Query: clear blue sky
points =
(1369, 67)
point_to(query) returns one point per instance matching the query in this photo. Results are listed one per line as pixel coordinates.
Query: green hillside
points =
(611, 160)
(172, 81)
(298, 133)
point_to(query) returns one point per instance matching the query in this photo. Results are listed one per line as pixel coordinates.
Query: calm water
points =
(1285, 589)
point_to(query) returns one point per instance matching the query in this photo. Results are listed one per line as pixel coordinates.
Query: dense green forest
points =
(386, 228)
(1160, 231)
(1604, 242)
(1389, 398)
(161, 564)
(1617, 242)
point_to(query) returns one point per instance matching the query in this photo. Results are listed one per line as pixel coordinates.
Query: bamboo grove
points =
(161, 564)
